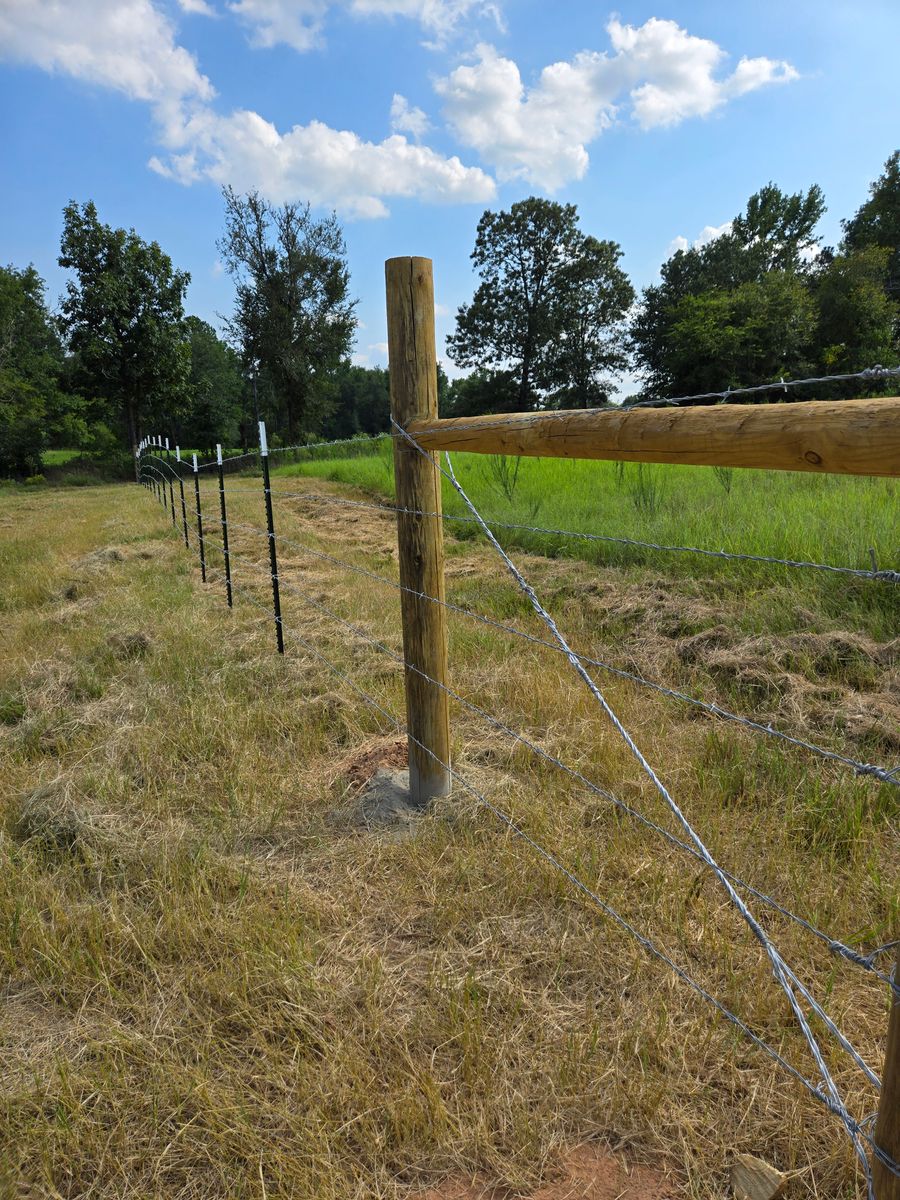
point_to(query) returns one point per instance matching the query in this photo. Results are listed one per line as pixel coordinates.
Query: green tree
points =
(594, 297)
(877, 222)
(361, 402)
(548, 303)
(857, 318)
(216, 389)
(479, 393)
(123, 315)
(32, 406)
(773, 235)
(755, 332)
(293, 319)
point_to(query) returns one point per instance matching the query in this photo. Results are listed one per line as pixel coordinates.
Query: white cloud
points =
(296, 23)
(538, 134)
(406, 119)
(300, 23)
(313, 162)
(130, 46)
(124, 44)
(707, 234)
(438, 18)
(197, 8)
(658, 72)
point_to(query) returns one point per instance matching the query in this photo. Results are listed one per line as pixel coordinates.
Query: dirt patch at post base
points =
(585, 1173)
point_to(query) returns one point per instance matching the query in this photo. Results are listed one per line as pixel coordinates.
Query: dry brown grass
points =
(216, 986)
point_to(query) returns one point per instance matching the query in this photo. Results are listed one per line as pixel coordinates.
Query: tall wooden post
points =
(413, 371)
(887, 1126)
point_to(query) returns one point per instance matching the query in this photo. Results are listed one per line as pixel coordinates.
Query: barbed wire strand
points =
(882, 774)
(837, 947)
(870, 770)
(782, 973)
(867, 375)
(887, 576)
(830, 1098)
(524, 419)
(785, 975)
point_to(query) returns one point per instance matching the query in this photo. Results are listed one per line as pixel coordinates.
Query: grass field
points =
(220, 979)
(832, 519)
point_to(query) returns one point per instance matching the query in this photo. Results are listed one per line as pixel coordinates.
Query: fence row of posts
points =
(848, 437)
(162, 484)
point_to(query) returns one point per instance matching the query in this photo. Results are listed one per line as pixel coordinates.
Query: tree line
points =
(553, 321)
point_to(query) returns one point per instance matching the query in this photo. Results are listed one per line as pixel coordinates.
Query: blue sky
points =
(410, 117)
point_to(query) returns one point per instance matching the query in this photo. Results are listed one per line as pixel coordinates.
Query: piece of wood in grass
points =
(754, 1179)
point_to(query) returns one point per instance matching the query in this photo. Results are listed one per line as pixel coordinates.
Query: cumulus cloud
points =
(657, 73)
(296, 23)
(198, 8)
(300, 23)
(406, 119)
(314, 162)
(537, 134)
(707, 234)
(128, 45)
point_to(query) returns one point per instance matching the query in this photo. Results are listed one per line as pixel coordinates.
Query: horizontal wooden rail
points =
(841, 437)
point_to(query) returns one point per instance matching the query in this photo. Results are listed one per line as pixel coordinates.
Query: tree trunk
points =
(525, 385)
(133, 436)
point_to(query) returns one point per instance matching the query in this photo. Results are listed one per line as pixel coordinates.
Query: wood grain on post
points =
(413, 375)
(887, 1126)
(842, 437)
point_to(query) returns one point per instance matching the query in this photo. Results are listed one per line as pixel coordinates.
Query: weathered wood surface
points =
(413, 367)
(754, 1179)
(843, 437)
(887, 1126)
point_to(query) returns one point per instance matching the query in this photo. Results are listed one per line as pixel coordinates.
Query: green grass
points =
(217, 980)
(832, 519)
(58, 458)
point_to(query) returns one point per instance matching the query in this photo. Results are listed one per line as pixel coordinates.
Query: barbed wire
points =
(867, 375)
(830, 1098)
(524, 419)
(871, 770)
(834, 945)
(886, 576)
(362, 439)
(866, 769)
(783, 974)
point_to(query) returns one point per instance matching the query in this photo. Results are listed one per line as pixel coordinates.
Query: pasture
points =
(221, 977)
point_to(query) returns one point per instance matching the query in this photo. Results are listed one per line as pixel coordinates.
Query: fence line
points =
(419, 474)
(867, 962)
(871, 770)
(830, 1096)
(784, 976)
(886, 576)
(857, 1129)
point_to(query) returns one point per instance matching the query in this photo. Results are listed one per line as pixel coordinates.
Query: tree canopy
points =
(123, 316)
(216, 389)
(30, 363)
(548, 311)
(877, 222)
(293, 320)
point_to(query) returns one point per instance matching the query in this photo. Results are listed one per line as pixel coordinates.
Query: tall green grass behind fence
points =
(841, 520)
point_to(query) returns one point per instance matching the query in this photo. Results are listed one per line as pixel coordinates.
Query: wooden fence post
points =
(413, 371)
(887, 1126)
